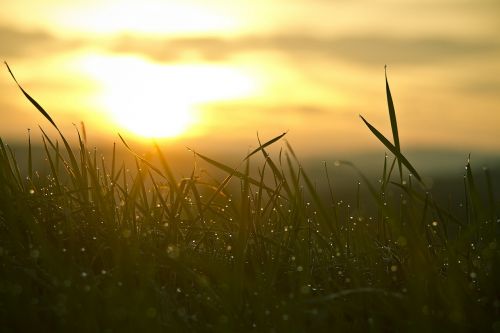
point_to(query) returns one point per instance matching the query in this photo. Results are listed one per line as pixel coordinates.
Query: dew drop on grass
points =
(35, 254)
(305, 289)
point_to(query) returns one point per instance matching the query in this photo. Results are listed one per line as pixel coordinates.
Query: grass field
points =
(97, 245)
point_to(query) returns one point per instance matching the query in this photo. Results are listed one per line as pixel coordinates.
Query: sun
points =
(162, 101)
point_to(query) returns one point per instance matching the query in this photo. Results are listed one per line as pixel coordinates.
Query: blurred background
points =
(211, 74)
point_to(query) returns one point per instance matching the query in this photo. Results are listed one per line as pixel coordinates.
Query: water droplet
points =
(306, 289)
(35, 254)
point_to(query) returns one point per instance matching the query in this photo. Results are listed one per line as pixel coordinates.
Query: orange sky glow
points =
(199, 73)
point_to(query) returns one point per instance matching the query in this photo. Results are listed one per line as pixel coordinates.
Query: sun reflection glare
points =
(154, 100)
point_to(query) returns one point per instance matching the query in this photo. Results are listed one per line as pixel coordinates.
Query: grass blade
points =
(393, 149)
(394, 123)
(270, 142)
(35, 103)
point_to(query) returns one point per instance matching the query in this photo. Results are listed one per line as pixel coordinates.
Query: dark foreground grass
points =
(99, 246)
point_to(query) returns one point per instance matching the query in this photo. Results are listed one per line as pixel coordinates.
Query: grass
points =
(96, 245)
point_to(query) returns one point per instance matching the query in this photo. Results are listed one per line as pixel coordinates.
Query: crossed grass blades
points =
(95, 246)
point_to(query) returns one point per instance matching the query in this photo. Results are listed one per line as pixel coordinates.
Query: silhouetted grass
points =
(99, 246)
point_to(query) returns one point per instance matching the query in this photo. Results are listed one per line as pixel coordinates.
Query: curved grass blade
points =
(270, 142)
(47, 116)
(35, 103)
(155, 169)
(394, 123)
(347, 292)
(393, 149)
(230, 171)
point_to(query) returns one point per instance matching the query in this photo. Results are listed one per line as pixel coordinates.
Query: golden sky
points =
(213, 73)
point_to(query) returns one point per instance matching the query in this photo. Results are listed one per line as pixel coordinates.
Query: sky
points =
(213, 74)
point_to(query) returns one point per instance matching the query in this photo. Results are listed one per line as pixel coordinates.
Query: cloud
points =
(481, 86)
(247, 112)
(358, 49)
(16, 43)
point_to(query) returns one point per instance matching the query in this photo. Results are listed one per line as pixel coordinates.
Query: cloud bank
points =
(362, 50)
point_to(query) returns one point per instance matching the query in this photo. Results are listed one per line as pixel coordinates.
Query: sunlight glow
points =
(153, 100)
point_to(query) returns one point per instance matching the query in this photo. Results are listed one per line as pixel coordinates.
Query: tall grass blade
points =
(394, 123)
(231, 171)
(393, 149)
(142, 158)
(35, 103)
(270, 142)
(30, 157)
